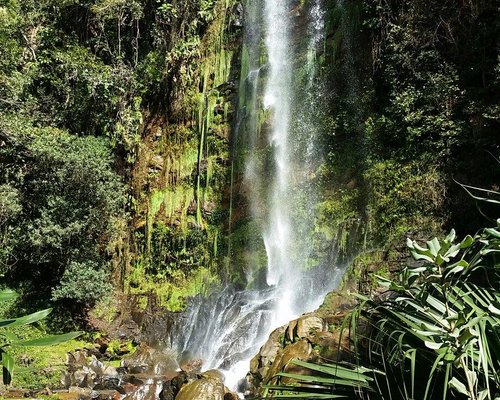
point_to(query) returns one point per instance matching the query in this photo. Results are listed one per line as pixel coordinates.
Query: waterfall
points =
(277, 234)
(280, 157)
(278, 229)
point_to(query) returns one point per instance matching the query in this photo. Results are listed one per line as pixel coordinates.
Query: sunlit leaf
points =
(7, 294)
(8, 367)
(48, 340)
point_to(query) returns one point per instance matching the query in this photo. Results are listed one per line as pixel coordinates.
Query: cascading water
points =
(277, 98)
(227, 328)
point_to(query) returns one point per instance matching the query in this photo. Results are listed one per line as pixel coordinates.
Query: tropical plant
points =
(328, 381)
(9, 339)
(442, 320)
(438, 323)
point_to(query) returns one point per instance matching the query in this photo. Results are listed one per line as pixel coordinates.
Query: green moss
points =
(403, 198)
(172, 292)
(106, 309)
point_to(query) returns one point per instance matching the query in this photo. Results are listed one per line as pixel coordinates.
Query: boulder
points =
(308, 325)
(270, 349)
(231, 395)
(83, 393)
(213, 374)
(66, 396)
(202, 389)
(192, 368)
(301, 350)
(290, 331)
(76, 360)
(93, 374)
(107, 395)
(147, 360)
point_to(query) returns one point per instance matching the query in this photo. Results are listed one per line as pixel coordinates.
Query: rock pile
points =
(150, 374)
(311, 337)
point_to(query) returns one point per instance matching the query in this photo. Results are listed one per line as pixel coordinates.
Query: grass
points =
(39, 367)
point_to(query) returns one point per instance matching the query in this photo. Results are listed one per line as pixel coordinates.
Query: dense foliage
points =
(9, 339)
(80, 83)
(414, 106)
(94, 93)
(62, 198)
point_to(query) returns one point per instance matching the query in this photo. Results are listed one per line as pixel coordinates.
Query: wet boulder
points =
(301, 350)
(268, 352)
(202, 389)
(88, 374)
(147, 360)
(308, 325)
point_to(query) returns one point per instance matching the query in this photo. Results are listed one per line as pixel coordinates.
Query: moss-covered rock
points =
(202, 389)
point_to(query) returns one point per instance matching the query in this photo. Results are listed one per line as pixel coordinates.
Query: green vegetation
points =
(181, 175)
(63, 199)
(171, 287)
(40, 367)
(345, 378)
(402, 123)
(83, 88)
(439, 324)
(119, 174)
(13, 339)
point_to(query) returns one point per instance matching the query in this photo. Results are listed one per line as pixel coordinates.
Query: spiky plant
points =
(436, 334)
(326, 381)
(439, 331)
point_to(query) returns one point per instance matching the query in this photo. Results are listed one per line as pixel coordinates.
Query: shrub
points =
(83, 282)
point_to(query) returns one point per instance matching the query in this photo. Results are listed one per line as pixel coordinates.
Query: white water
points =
(278, 235)
(227, 329)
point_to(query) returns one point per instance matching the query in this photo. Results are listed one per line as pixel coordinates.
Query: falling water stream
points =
(227, 328)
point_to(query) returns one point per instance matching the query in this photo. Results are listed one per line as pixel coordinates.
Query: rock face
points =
(301, 350)
(290, 342)
(88, 374)
(149, 374)
(147, 360)
(309, 325)
(261, 363)
(209, 386)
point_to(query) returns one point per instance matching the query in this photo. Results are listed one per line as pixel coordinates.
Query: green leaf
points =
(483, 394)
(433, 345)
(451, 236)
(494, 309)
(434, 246)
(493, 232)
(8, 368)
(6, 322)
(10, 336)
(452, 252)
(323, 380)
(301, 395)
(7, 294)
(336, 370)
(26, 320)
(48, 340)
(467, 242)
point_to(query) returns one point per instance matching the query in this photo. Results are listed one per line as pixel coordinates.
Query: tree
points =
(69, 197)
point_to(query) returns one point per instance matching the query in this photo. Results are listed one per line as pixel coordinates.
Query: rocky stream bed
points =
(155, 374)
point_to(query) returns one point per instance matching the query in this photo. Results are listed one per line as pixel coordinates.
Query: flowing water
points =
(281, 156)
